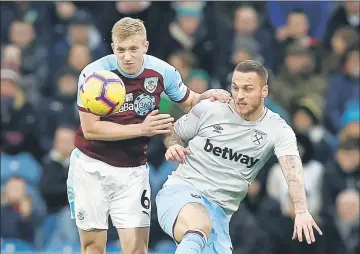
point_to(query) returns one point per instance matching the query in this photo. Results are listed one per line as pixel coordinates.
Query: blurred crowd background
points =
(311, 49)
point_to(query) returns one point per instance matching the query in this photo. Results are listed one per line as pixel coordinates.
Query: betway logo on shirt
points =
(229, 154)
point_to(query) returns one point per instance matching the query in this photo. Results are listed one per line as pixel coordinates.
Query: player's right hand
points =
(156, 123)
(177, 153)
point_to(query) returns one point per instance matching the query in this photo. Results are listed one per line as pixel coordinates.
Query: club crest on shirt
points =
(258, 137)
(150, 84)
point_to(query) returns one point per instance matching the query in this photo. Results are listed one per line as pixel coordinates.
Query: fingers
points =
(307, 234)
(173, 155)
(311, 231)
(162, 122)
(159, 116)
(317, 227)
(177, 153)
(294, 233)
(299, 233)
(154, 112)
(159, 132)
(222, 95)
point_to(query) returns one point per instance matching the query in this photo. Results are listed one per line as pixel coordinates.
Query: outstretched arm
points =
(293, 172)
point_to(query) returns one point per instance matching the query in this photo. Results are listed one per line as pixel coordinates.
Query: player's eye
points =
(134, 49)
(235, 88)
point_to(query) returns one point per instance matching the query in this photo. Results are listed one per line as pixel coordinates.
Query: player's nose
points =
(127, 56)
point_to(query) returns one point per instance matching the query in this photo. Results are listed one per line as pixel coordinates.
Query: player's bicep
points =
(187, 126)
(174, 86)
(285, 142)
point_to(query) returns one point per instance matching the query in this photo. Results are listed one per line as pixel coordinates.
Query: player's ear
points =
(265, 91)
(113, 47)
(146, 46)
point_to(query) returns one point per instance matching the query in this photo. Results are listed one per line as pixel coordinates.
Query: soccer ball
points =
(102, 93)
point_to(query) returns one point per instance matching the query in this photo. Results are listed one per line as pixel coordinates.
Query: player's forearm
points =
(173, 139)
(293, 173)
(109, 131)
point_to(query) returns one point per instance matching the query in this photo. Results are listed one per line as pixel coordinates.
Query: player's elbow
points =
(89, 133)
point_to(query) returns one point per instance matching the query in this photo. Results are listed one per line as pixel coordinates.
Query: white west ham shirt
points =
(227, 152)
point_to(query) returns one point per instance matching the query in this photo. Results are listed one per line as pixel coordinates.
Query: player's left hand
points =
(217, 94)
(304, 222)
(177, 153)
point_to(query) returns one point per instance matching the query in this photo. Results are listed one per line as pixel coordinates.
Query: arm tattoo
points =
(173, 139)
(293, 172)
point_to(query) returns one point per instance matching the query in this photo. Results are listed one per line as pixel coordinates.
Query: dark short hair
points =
(253, 66)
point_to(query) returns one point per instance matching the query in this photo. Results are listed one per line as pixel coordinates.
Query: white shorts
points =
(97, 190)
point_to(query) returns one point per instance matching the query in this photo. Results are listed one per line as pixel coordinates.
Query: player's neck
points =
(254, 115)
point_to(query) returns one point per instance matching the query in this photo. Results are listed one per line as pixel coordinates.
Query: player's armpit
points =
(293, 172)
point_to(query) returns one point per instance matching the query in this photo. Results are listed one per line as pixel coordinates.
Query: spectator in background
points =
(244, 48)
(296, 78)
(18, 118)
(347, 14)
(55, 169)
(350, 121)
(347, 222)
(184, 62)
(34, 68)
(61, 14)
(80, 31)
(343, 39)
(78, 57)
(248, 234)
(307, 118)
(246, 25)
(36, 13)
(342, 172)
(343, 87)
(60, 108)
(11, 58)
(16, 211)
(317, 12)
(190, 31)
(298, 32)
(149, 12)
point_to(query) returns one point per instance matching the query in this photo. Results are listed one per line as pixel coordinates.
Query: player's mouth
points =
(241, 106)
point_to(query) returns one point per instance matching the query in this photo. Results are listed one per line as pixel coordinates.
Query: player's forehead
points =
(245, 78)
(131, 41)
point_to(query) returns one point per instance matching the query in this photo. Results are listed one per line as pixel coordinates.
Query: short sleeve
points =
(285, 143)
(189, 124)
(174, 86)
(80, 82)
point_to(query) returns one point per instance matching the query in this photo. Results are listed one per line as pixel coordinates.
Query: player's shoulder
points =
(156, 64)
(209, 107)
(105, 63)
(276, 123)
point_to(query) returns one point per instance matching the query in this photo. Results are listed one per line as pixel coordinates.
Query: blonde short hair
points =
(127, 27)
